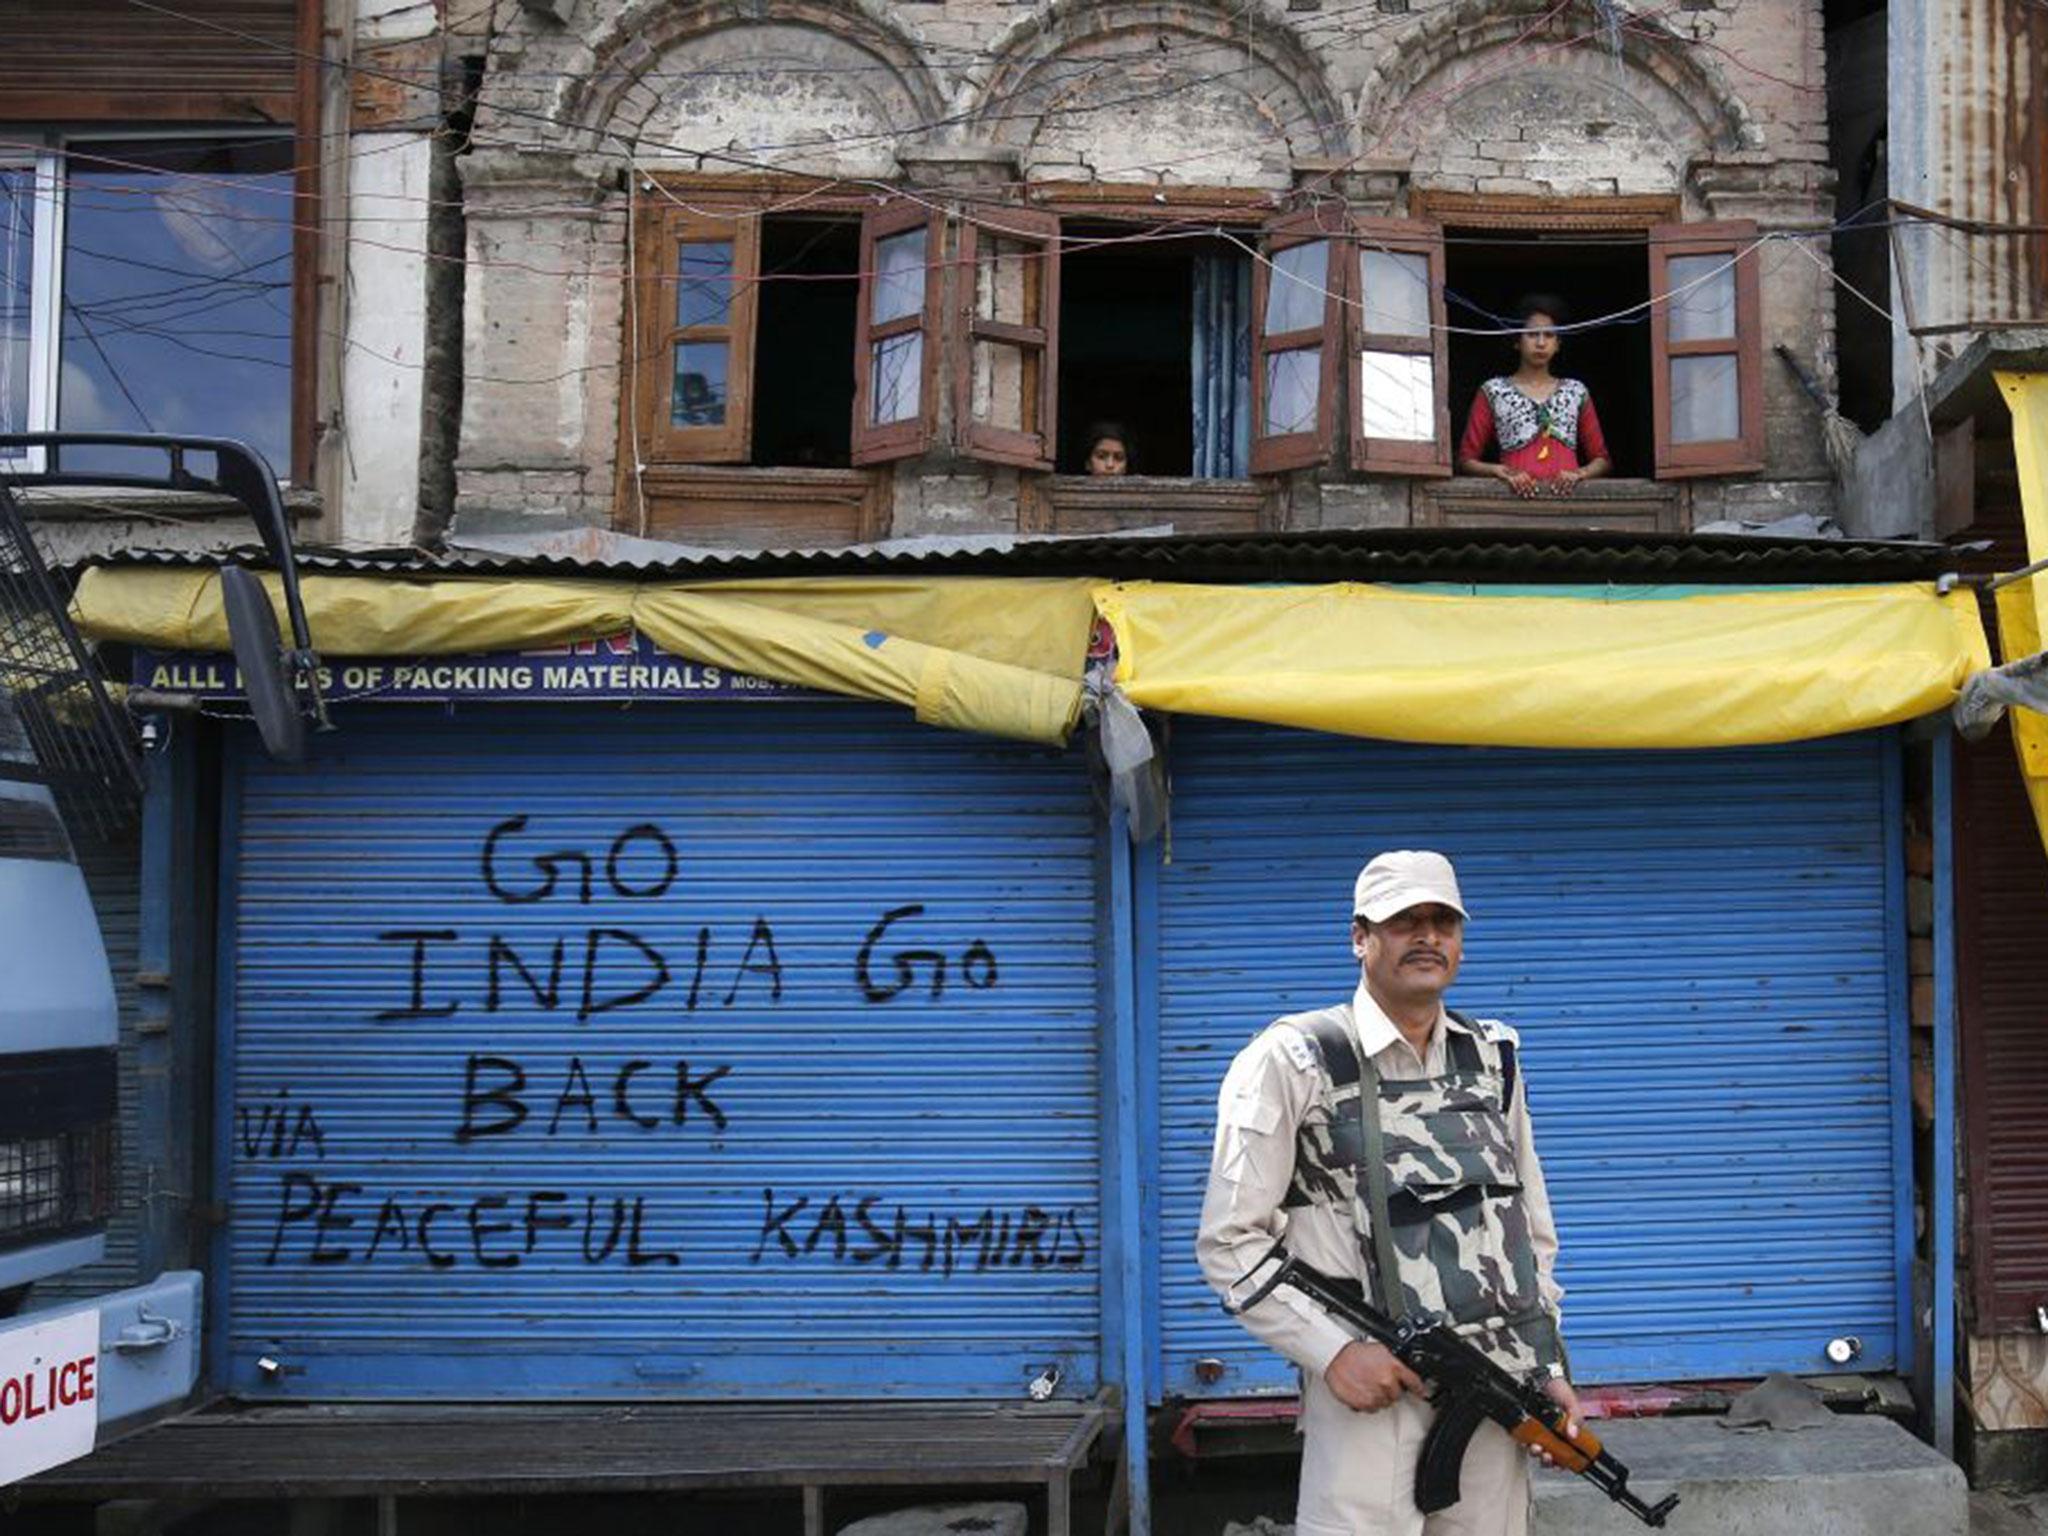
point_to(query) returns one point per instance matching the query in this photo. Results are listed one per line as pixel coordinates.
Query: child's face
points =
(1538, 341)
(1107, 457)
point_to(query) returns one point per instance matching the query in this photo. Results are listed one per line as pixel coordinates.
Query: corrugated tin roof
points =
(1388, 554)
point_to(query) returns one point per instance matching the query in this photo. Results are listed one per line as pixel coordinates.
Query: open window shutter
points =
(1706, 348)
(895, 357)
(1398, 351)
(1007, 372)
(696, 323)
(1296, 333)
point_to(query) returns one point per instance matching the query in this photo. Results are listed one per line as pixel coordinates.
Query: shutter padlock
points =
(2041, 1317)
(1844, 1349)
(1044, 1384)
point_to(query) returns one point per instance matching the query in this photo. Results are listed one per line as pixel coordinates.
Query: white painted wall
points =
(385, 325)
(395, 21)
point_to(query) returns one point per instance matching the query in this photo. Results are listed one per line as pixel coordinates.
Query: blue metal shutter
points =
(864, 1196)
(1702, 954)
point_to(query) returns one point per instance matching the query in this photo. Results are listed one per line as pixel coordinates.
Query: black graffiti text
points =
(500, 1094)
(639, 865)
(330, 1222)
(588, 973)
(279, 1128)
(849, 1228)
(886, 977)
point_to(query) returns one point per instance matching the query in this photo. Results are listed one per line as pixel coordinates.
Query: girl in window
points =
(1544, 426)
(1109, 450)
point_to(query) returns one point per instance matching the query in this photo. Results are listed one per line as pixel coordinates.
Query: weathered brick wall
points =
(1720, 105)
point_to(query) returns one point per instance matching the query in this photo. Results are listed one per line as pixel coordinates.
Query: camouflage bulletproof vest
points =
(1460, 1232)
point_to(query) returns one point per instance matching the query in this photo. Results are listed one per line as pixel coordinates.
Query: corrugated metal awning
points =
(1378, 554)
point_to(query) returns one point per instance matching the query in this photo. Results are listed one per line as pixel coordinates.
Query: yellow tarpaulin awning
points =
(981, 654)
(1005, 656)
(1705, 669)
(2021, 606)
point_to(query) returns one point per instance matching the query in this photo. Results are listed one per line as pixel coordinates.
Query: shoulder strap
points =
(1506, 1048)
(1346, 1065)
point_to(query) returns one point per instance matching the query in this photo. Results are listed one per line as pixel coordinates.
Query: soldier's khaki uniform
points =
(1274, 1173)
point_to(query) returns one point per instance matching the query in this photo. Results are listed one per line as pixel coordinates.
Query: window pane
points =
(699, 397)
(899, 276)
(1007, 281)
(177, 311)
(1706, 400)
(1295, 287)
(1399, 396)
(1005, 381)
(1702, 303)
(1396, 289)
(704, 283)
(893, 378)
(1294, 382)
(17, 255)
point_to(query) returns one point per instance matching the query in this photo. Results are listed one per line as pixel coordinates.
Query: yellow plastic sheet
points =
(998, 656)
(2017, 637)
(1709, 670)
(2022, 606)
(2027, 395)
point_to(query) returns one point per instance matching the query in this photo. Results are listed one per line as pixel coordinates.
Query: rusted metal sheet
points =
(101, 60)
(1981, 156)
(2002, 911)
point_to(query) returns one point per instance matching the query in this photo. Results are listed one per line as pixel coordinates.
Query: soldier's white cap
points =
(1403, 878)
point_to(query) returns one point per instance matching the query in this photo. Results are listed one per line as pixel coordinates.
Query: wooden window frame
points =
(1002, 445)
(1406, 237)
(1297, 450)
(879, 443)
(656, 286)
(1744, 453)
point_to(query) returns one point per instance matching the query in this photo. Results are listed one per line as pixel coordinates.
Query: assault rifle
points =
(1469, 1389)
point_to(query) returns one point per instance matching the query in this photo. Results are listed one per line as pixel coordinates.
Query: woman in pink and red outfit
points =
(1545, 427)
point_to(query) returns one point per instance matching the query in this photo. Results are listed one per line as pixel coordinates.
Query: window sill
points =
(1120, 503)
(740, 506)
(1479, 501)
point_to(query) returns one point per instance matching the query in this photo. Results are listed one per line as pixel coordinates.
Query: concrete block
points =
(1859, 1476)
(1996, 1514)
(944, 1520)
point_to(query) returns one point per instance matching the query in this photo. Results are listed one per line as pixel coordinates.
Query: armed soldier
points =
(1388, 1139)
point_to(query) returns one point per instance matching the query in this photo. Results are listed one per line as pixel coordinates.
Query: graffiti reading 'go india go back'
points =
(606, 967)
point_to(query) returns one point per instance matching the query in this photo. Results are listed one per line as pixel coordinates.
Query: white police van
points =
(73, 1372)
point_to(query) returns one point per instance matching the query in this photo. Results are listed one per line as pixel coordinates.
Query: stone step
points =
(1858, 1476)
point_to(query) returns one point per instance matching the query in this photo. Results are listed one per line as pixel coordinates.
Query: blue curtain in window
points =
(1223, 366)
